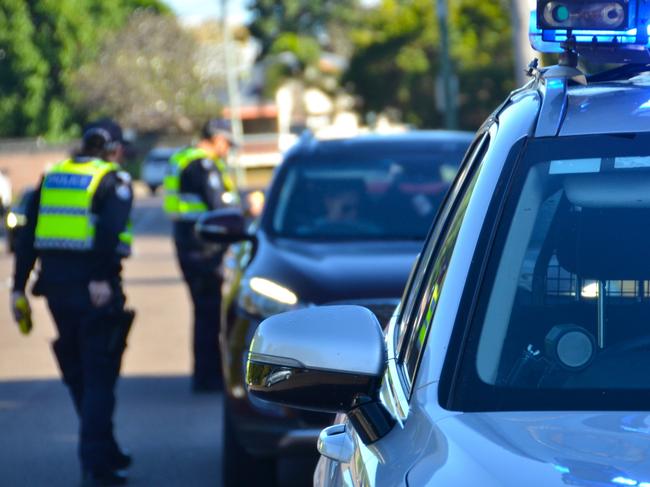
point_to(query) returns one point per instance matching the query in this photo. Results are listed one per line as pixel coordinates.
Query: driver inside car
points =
(342, 206)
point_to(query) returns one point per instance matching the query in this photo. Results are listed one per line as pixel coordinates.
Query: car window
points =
(419, 271)
(561, 319)
(387, 198)
(427, 281)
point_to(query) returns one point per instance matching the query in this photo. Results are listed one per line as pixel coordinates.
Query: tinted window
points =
(383, 198)
(562, 315)
(437, 257)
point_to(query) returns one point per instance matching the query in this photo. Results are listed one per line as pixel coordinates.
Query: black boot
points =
(121, 460)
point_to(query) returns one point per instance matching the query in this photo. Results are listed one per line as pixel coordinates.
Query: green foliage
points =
(396, 59)
(293, 35)
(393, 67)
(42, 42)
(271, 19)
(23, 70)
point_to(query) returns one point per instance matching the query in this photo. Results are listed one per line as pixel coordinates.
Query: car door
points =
(419, 335)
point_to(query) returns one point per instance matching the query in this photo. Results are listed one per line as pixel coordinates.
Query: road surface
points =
(173, 435)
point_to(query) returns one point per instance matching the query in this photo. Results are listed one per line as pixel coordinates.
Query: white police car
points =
(520, 354)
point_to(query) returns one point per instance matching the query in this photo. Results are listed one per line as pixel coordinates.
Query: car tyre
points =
(239, 467)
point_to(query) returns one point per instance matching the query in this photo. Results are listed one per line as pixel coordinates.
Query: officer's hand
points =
(100, 293)
(16, 298)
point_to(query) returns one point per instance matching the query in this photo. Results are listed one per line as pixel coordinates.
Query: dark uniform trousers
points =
(89, 352)
(202, 272)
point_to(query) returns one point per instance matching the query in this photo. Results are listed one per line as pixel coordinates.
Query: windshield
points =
(388, 198)
(563, 318)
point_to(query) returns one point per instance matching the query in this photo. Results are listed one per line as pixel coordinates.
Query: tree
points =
(23, 71)
(395, 63)
(271, 19)
(44, 42)
(155, 83)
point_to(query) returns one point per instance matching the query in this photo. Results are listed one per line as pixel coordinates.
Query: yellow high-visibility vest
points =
(190, 206)
(65, 218)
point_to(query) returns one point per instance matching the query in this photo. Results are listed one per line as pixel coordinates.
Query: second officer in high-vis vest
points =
(197, 182)
(78, 228)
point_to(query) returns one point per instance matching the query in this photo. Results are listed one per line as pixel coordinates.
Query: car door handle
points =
(334, 442)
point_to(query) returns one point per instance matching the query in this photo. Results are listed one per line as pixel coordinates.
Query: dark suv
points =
(343, 224)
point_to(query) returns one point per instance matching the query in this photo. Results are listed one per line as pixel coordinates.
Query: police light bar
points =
(585, 15)
(604, 31)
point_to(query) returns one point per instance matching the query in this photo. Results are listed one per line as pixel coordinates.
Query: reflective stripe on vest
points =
(188, 206)
(65, 218)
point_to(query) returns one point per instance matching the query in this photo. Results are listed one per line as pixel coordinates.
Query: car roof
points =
(611, 107)
(404, 142)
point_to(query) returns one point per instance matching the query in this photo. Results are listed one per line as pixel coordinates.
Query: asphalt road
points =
(174, 435)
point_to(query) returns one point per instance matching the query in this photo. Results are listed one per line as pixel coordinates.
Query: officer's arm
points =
(24, 246)
(112, 205)
(207, 181)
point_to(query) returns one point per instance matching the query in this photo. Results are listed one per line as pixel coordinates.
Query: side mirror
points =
(329, 358)
(224, 226)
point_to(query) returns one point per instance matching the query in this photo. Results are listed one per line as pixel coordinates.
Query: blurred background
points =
(275, 67)
(161, 69)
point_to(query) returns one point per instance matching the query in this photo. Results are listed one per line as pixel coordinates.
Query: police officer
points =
(78, 228)
(197, 182)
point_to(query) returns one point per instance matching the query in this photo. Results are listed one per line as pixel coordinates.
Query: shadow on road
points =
(174, 436)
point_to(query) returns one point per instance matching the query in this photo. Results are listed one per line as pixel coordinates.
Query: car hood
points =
(322, 273)
(540, 449)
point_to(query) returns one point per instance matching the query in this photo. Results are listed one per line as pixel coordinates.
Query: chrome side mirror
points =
(329, 358)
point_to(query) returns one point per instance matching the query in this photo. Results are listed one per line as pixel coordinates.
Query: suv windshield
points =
(375, 199)
(563, 316)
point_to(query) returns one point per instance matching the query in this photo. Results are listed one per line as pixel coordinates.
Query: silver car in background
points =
(155, 166)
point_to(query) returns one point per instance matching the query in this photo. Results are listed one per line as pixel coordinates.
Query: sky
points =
(196, 10)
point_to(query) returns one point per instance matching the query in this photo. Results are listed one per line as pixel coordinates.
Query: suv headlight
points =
(263, 297)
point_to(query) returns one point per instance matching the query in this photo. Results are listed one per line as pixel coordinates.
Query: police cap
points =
(104, 134)
(218, 126)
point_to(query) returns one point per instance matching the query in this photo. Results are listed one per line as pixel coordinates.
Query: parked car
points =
(155, 165)
(15, 218)
(520, 350)
(343, 223)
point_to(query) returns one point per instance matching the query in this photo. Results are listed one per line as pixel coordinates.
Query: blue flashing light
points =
(634, 39)
(562, 469)
(549, 40)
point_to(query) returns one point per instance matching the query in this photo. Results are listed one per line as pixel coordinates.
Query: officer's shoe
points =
(121, 460)
(103, 478)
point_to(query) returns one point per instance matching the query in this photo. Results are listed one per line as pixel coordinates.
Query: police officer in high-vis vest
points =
(78, 229)
(197, 182)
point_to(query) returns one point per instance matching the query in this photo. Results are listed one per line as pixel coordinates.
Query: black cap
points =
(102, 134)
(218, 126)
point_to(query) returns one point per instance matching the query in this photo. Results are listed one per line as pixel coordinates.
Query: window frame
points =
(418, 285)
